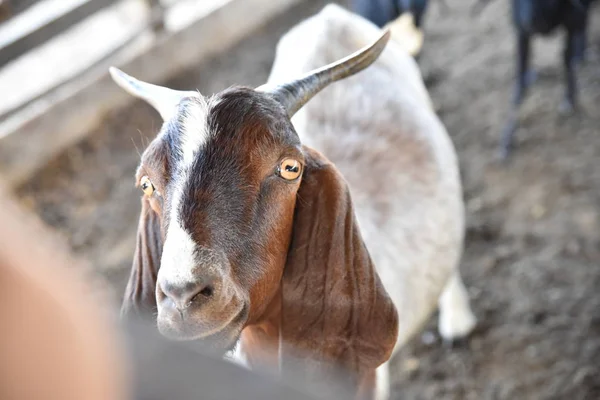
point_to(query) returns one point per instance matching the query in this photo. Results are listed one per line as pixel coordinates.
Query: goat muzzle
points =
(208, 308)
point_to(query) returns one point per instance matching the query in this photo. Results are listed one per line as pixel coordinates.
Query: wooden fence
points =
(54, 58)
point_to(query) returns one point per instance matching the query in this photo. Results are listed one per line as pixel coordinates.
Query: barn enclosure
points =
(70, 141)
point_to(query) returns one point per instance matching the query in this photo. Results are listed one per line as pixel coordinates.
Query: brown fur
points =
(293, 249)
(140, 295)
(334, 305)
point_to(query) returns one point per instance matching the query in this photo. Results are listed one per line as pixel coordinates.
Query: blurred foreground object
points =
(56, 343)
(166, 370)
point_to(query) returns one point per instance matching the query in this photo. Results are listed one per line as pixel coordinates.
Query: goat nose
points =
(182, 294)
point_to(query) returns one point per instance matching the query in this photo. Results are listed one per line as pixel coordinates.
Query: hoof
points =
(567, 108)
(504, 153)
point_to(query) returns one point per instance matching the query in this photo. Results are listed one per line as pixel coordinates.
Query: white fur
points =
(381, 132)
(194, 132)
(237, 357)
(456, 318)
(177, 261)
(382, 391)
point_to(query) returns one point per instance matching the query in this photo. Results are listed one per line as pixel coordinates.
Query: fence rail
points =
(57, 98)
(41, 22)
(62, 22)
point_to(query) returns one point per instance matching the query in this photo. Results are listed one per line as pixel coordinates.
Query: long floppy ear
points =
(335, 310)
(140, 298)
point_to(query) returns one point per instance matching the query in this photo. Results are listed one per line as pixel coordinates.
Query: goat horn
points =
(293, 95)
(164, 100)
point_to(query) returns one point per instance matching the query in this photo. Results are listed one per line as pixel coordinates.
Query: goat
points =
(381, 132)
(403, 17)
(247, 234)
(543, 17)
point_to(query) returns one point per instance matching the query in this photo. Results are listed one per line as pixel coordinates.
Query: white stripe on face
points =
(194, 130)
(178, 261)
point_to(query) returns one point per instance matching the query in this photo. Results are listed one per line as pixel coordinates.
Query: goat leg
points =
(523, 81)
(523, 73)
(580, 46)
(418, 9)
(574, 42)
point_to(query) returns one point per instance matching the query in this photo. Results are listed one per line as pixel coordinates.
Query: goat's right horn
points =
(164, 100)
(293, 95)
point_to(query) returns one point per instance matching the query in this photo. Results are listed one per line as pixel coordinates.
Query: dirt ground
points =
(532, 251)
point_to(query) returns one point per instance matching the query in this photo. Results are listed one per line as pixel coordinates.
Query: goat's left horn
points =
(293, 95)
(164, 100)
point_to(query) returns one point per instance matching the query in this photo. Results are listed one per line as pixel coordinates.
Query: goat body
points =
(381, 132)
(543, 17)
(248, 235)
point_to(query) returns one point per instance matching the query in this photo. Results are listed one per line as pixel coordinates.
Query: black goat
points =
(381, 12)
(543, 17)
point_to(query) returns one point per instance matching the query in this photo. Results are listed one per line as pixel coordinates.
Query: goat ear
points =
(140, 299)
(335, 310)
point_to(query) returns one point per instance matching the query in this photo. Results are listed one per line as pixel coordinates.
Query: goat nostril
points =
(207, 291)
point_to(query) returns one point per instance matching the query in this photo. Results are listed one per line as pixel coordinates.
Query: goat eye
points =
(147, 186)
(290, 169)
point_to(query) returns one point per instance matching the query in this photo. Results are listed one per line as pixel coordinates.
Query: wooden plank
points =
(64, 118)
(71, 53)
(41, 22)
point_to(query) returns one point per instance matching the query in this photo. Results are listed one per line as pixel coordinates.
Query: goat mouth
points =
(222, 337)
(227, 336)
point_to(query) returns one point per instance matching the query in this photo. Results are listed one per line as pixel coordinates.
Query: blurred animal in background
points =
(403, 17)
(543, 17)
(380, 130)
(247, 235)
